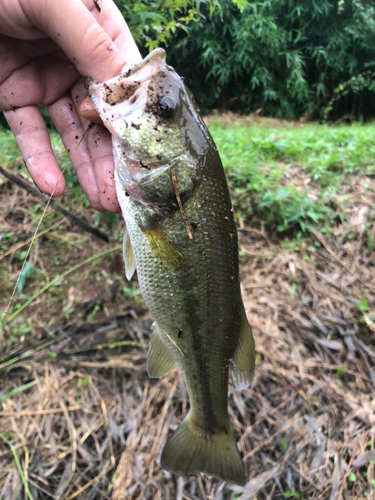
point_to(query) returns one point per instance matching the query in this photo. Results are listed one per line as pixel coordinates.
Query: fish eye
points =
(167, 107)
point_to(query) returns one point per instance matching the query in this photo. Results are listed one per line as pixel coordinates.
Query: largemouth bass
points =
(181, 237)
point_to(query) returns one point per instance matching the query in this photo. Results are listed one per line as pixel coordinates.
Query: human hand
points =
(45, 48)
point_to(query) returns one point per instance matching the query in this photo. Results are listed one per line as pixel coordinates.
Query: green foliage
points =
(259, 161)
(363, 304)
(155, 22)
(289, 59)
(286, 207)
(356, 84)
(280, 57)
(9, 153)
(341, 372)
(352, 477)
(292, 494)
(282, 445)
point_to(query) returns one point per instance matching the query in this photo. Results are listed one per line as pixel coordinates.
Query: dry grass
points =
(93, 426)
(85, 421)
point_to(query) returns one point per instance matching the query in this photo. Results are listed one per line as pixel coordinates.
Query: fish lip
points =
(126, 93)
(156, 53)
(110, 91)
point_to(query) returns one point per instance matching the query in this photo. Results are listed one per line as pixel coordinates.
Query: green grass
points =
(8, 149)
(260, 162)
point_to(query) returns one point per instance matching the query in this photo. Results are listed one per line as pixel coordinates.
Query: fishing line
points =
(38, 226)
(32, 241)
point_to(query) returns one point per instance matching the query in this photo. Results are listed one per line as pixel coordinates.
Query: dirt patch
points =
(249, 120)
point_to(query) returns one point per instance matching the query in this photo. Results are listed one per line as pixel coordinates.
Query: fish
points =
(181, 238)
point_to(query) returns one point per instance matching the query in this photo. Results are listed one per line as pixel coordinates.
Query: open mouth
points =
(123, 87)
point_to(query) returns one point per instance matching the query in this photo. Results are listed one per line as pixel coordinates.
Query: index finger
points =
(96, 51)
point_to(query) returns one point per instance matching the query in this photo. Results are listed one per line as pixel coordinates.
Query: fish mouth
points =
(126, 93)
(124, 86)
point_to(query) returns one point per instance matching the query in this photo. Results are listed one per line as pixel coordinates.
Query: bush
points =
(282, 58)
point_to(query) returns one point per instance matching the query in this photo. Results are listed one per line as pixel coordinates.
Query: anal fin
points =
(242, 369)
(160, 360)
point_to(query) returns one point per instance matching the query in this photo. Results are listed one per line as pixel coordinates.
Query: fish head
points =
(154, 123)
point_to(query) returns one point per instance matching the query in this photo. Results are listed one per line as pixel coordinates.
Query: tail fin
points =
(191, 450)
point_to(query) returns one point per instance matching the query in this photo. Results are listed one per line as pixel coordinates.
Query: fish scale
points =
(188, 276)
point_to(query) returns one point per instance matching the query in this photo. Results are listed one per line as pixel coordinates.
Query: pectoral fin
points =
(163, 247)
(160, 360)
(244, 357)
(128, 256)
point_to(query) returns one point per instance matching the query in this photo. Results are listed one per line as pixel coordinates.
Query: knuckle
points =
(97, 42)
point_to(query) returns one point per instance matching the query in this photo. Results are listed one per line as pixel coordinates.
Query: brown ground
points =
(79, 418)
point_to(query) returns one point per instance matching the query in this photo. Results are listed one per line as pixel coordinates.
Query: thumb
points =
(98, 44)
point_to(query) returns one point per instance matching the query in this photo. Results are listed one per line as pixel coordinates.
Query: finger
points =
(88, 111)
(99, 143)
(33, 140)
(41, 80)
(84, 41)
(113, 23)
(100, 146)
(68, 125)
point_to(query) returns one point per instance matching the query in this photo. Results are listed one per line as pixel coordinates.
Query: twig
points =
(180, 488)
(73, 435)
(16, 247)
(303, 475)
(174, 181)
(335, 256)
(48, 411)
(201, 487)
(339, 120)
(56, 206)
(346, 475)
(92, 481)
(252, 230)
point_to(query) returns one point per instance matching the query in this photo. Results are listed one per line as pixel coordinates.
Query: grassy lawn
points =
(293, 176)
